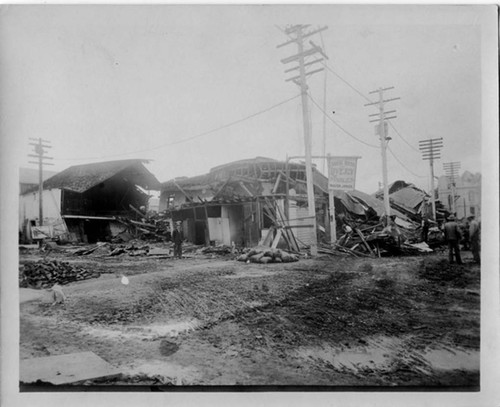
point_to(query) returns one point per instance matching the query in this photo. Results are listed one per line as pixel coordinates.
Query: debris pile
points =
(150, 226)
(374, 239)
(264, 255)
(43, 274)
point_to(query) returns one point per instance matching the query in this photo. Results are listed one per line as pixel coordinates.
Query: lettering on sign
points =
(342, 173)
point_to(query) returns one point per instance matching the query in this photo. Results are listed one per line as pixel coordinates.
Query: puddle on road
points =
(443, 359)
(382, 352)
(151, 332)
(377, 354)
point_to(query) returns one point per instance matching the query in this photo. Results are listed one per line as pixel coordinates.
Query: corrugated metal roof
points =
(80, 178)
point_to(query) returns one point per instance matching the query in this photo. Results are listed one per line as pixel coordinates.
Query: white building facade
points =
(463, 197)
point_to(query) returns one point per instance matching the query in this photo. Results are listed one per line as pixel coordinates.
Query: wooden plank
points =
(268, 238)
(364, 241)
(64, 369)
(294, 245)
(184, 192)
(142, 215)
(245, 188)
(277, 183)
(277, 239)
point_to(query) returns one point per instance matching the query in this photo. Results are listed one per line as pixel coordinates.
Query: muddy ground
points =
(212, 321)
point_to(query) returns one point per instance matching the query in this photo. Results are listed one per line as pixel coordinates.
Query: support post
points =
(308, 146)
(300, 80)
(433, 197)
(382, 132)
(331, 200)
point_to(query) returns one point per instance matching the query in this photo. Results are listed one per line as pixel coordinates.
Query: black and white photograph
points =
(273, 203)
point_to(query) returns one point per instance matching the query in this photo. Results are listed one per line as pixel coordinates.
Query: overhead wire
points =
(184, 140)
(325, 64)
(338, 125)
(404, 166)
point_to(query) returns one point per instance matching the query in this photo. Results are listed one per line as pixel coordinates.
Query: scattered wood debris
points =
(44, 274)
(374, 239)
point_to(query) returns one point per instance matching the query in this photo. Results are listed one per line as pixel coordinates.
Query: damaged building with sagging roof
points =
(231, 203)
(85, 202)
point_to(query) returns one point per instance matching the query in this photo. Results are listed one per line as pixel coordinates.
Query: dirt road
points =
(408, 321)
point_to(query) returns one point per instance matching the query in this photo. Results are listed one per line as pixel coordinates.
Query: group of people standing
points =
(453, 236)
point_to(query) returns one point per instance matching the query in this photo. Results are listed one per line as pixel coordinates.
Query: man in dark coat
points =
(177, 238)
(452, 236)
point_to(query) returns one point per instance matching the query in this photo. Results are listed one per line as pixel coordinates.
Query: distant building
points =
(29, 178)
(467, 191)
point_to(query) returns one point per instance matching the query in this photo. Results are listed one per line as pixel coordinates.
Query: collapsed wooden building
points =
(85, 202)
(233, 202)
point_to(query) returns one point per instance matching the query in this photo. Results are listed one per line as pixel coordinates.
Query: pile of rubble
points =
(44, 274)
(150, 226)
(138, 247)
(264, 255)
(376, 240)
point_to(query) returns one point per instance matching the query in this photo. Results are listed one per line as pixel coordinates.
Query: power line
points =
(192, 137)
(339, 126)
(347, 83)
(368, 100)
(404, 166)
(402, 138)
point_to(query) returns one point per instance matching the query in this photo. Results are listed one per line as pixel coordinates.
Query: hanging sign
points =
(41, 232)
(342, 173)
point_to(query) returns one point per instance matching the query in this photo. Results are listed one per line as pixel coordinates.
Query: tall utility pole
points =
(431, 151)
(381, 129)
(297, 35)
(451, 171)
(40, 154)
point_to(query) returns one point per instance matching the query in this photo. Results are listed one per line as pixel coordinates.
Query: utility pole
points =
(40, 154)
(451, 172)
(382, 129)
(297, 35)
(431, 151)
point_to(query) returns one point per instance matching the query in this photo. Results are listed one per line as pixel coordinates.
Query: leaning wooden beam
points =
(136, 210)
(221, 188)
(146, 225)
(268, 239)
(277, 239)
(184, 192)
(276, 183)
(245, 188)
(364, 241)
(291, 236)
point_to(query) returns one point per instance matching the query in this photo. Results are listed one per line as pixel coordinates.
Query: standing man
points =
(425, 228)
(452, 237)
(474, 236)
(177, 238)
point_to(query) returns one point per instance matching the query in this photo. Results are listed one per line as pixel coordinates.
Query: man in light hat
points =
(452, 236)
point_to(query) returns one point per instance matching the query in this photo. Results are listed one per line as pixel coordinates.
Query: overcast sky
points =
(168, 83)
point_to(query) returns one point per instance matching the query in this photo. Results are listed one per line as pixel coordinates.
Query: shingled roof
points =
(80, 178)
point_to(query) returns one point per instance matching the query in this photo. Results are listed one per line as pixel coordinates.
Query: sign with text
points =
(342, 173)
(41, 232)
